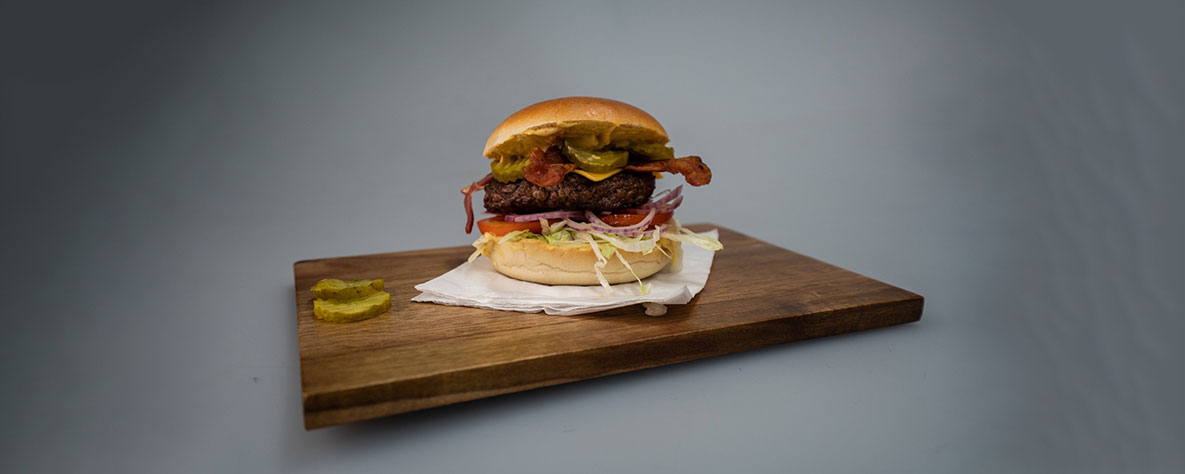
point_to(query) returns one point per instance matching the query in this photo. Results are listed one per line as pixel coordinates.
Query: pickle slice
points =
(653, 151)
(598, 161)
(334, 289)
(509, 169)
(344, 311)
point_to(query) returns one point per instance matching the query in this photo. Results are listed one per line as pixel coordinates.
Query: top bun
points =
(586, 122)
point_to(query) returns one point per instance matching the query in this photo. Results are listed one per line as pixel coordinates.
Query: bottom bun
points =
(540, 262)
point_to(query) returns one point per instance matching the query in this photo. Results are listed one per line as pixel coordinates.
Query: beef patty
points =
(622, 190)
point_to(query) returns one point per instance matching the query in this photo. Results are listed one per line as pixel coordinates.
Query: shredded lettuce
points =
(682, 234)
(560, 236)
(516, 236)
(643, 288)
(483, 245)
(601, 262)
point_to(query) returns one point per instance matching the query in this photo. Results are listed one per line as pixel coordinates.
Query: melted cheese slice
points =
(596, 176)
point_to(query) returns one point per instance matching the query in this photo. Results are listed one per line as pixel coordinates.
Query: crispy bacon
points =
(692, 168)
(468, 192)
(548, 167)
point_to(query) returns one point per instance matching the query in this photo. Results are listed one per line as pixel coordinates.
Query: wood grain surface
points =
(424, 355)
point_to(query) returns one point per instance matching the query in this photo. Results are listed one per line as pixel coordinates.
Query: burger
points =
(571, 194)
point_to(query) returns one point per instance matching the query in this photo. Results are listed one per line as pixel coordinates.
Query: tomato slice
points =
(622, 220)
(495, 225)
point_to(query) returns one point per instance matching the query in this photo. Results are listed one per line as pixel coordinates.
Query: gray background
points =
(1017, 164)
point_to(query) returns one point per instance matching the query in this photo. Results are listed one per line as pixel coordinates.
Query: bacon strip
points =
(547, 168)
(692, 168)
(468, 192)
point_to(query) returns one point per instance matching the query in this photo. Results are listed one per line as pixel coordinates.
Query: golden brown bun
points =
(539, 262)
(586, 122)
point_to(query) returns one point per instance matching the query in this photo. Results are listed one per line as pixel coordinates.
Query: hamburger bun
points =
(539, 262)
(586, 122)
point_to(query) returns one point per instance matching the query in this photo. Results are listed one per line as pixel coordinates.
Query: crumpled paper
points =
(478, 285)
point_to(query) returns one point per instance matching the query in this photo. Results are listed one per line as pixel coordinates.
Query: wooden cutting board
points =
(424, 355)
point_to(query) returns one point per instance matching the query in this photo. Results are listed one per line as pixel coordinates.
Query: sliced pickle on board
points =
(357, 309)
(334, 289)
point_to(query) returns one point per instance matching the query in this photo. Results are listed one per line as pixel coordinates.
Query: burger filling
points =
(575, 192)
(548, 167)
(571, 196)
(572, 178)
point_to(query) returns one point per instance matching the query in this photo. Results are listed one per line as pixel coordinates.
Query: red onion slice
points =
(541, 215)
(659, 201)
(668, 207)
(598, 225)
(661, 195)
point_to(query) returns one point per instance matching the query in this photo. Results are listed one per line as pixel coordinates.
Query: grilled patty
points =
(574, 193)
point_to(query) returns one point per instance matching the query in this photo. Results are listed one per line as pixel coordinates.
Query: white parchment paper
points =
(478, 285)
